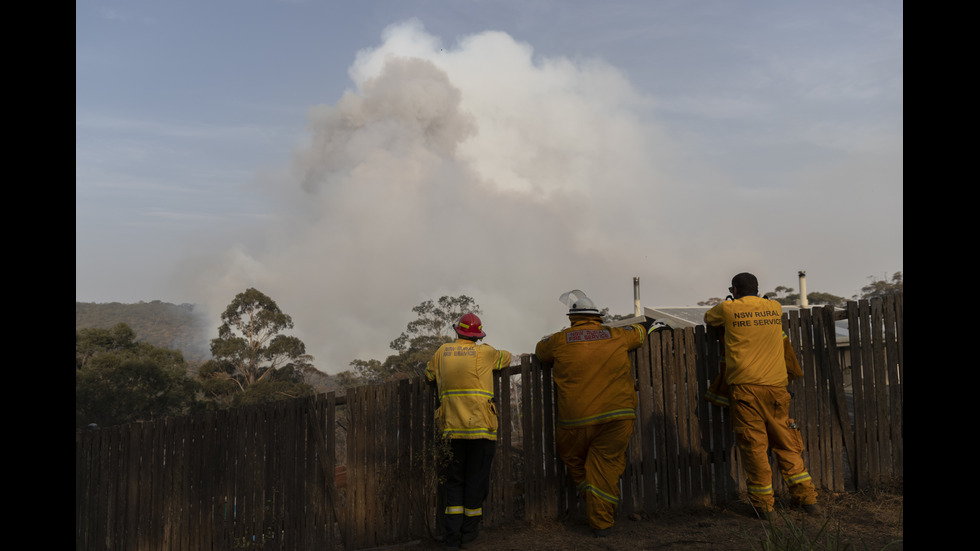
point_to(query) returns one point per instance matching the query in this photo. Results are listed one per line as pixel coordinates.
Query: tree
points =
(251, 350)
(825, 299)
(435, 320)
(607, 317)
(416, 345)
(786, 296)
(365, 372)
(286, 382)
(91, 342)
(881, 287)
(121, 380)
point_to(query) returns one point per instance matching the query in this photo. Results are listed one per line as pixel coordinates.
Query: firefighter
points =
(596, 403)
(463, 373)
(756, 376)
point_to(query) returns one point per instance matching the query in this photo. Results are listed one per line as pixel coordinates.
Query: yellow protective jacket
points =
(463, 373)
(592, 371)
(754, 353)
(718, 393)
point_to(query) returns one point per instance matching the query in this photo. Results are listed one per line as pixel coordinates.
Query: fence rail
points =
(266, 476)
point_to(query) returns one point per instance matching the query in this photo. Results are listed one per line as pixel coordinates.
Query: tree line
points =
(119, 379)
(253, 360)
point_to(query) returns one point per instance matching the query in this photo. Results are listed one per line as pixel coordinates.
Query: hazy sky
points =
(353, 159)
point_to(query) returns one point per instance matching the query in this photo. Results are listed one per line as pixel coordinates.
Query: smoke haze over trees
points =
(181, 327)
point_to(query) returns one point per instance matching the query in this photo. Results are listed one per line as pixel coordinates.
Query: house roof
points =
(676, 317)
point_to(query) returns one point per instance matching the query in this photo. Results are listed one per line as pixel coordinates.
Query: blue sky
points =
(352, 159)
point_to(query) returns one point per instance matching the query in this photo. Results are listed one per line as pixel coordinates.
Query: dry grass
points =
(864, 521)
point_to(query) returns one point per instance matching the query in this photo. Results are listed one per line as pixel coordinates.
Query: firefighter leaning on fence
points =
(756, 377)
(463, 373)
(596, 403)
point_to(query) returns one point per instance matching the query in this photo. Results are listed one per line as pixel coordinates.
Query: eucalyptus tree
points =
(414, 347)
(251, 349)
(879, 287)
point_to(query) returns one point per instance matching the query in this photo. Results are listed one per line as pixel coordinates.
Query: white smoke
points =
(475, 169)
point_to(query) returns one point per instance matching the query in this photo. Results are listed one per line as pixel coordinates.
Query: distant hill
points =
(176, 326)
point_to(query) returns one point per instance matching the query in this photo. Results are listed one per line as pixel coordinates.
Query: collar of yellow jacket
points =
(580, 319)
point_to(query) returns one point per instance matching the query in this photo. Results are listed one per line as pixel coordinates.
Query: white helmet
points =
(578, 303)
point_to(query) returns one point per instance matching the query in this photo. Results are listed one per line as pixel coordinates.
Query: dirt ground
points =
(869, 521)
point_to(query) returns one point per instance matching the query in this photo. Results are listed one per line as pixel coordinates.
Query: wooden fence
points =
(264, 477)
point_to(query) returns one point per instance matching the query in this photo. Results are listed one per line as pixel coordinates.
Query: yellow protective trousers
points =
(760, 418)
(596, 457)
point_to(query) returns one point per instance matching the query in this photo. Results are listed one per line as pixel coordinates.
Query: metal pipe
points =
(637, 310)
(803, 301)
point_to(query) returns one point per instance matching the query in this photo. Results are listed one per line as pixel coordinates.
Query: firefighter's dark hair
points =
(746, 284)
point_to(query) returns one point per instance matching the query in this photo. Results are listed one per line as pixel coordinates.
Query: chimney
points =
(803, 302)
(637, 311)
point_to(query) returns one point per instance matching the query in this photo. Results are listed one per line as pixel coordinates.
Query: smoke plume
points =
(476, 169)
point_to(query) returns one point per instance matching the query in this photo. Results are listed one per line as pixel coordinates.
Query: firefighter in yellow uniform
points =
(596, 403)
(463, 373)
(756, 375)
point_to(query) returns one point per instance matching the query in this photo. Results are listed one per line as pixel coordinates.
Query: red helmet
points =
(470, 326)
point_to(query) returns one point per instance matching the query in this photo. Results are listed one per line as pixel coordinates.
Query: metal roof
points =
(676, 317)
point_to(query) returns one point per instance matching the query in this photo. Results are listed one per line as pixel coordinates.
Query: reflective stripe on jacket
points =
(592, 370)
(463, 372)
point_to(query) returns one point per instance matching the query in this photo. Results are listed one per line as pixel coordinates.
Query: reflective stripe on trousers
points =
(760, 418)
(467, 485)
